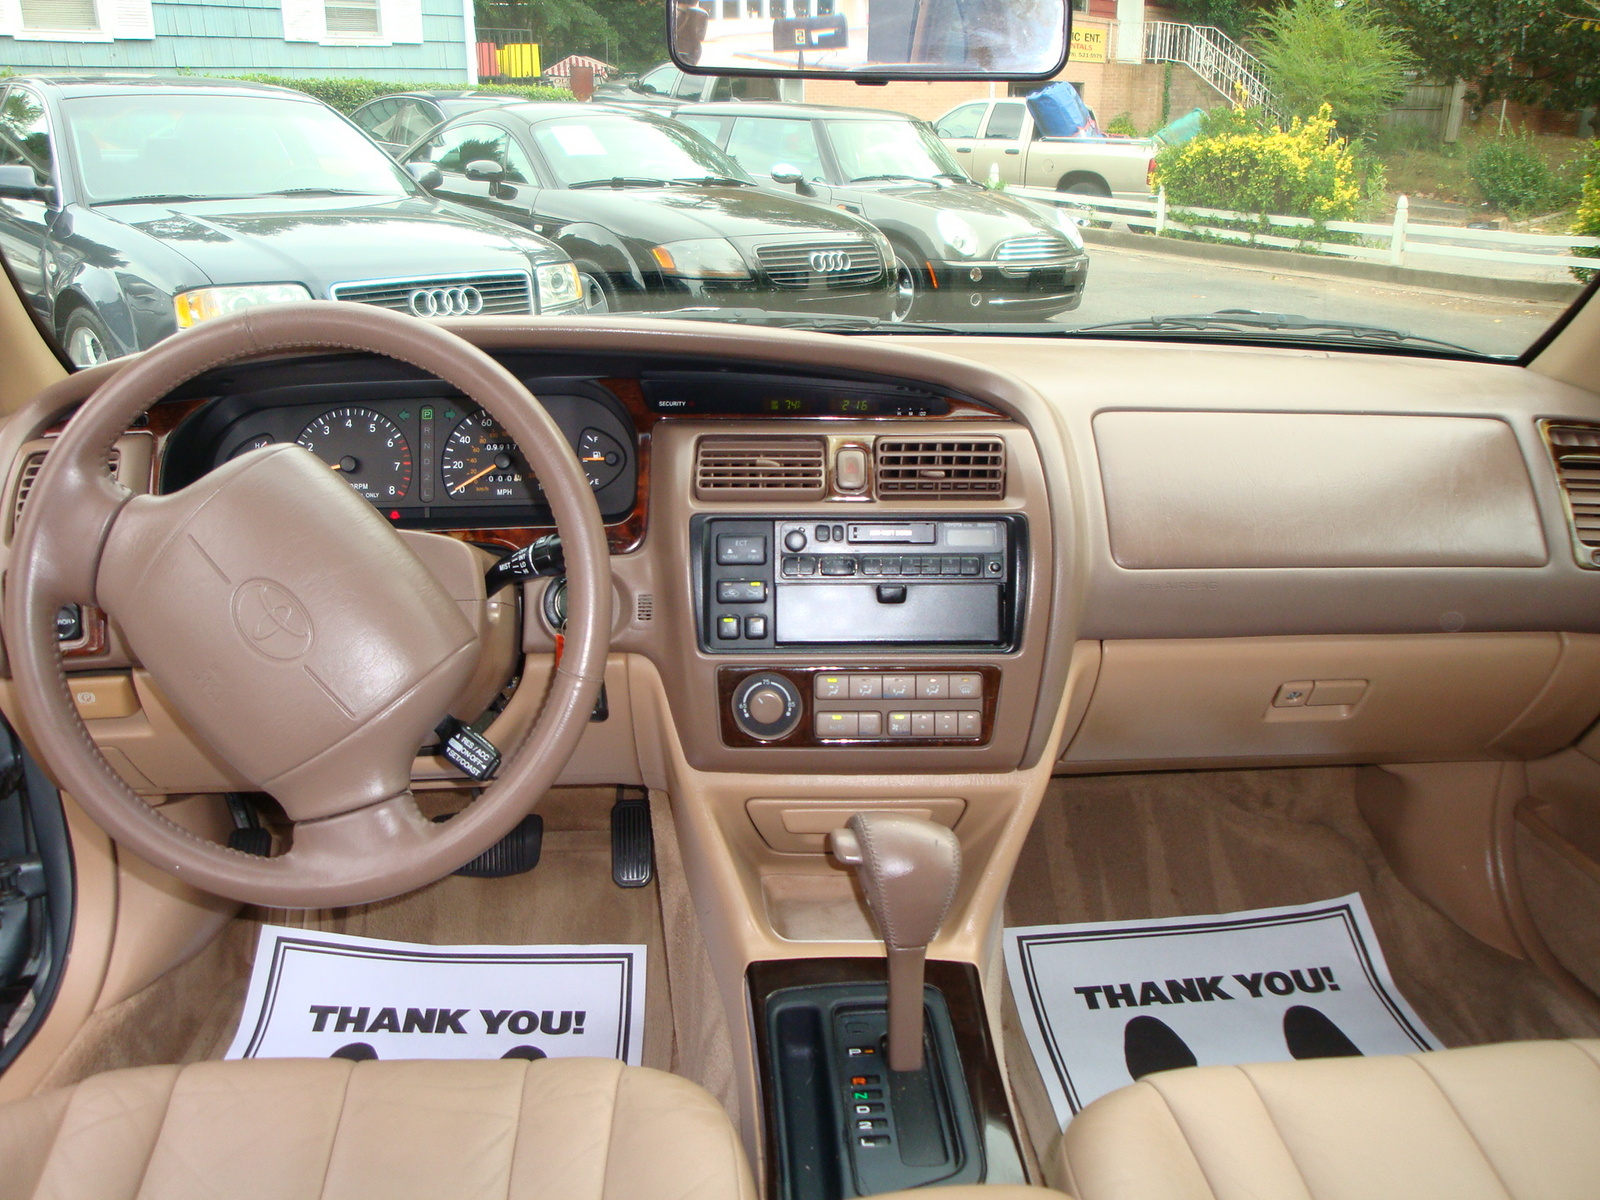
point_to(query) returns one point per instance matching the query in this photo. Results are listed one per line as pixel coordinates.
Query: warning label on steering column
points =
(1106, 1004)
(322, 995)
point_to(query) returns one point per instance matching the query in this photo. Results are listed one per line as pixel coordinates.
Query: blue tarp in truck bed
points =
(1060, 112)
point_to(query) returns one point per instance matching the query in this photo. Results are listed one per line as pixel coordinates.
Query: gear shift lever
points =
(909, 869)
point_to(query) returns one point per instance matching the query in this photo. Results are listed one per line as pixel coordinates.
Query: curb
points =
(1290, 262)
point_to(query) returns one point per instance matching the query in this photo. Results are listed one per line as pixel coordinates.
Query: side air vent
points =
(1575, 450)
(728, 468)
(30, 472)
(929, 469)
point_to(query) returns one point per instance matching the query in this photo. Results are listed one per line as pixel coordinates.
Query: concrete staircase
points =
(1236, 74)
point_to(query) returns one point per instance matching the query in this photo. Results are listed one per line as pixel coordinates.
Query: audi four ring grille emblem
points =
(830, 262)
(446, 302)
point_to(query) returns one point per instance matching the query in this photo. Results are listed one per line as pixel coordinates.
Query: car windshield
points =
(219, 147)
(1371, 176)
(605, 147)
(890, 150)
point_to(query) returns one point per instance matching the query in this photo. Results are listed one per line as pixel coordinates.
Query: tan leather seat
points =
(1517, 1121)
(293, 1129)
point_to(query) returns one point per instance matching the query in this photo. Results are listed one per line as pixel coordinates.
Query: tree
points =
(1334, 52)
(631, 34)
(1519, 50)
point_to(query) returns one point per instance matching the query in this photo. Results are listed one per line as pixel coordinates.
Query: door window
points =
(25, 135)
(1006, 121)
(963, 122)
(762, 143)
(660, 81)
(375, 118)
(475, 143)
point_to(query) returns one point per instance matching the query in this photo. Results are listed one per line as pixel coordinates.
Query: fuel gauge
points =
(602, 457)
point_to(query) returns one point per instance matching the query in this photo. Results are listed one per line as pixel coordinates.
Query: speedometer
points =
(481, 462)
(366, 448)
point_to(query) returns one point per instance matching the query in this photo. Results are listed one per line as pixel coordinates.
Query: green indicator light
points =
(858, 1095)
(405, 415)
(427, 413)
(449, 414)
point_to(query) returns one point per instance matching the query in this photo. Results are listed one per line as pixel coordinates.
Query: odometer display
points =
(366, 448)
(481, 462)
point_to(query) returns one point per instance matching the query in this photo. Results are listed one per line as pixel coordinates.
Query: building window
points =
(59, 14)
(1080, 6)
(350, 18)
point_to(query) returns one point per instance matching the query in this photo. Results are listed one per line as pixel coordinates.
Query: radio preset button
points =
(969, 564)
(831, 687)
(740, 550)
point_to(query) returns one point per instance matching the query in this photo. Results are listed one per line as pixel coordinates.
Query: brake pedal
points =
(248, 835)
(633, 848)
(515, 854)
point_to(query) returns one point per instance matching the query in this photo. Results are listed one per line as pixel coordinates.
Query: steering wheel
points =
(289, 624)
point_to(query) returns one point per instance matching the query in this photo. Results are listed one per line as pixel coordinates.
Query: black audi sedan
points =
(655, 217)
(132, 208)
(962, 252)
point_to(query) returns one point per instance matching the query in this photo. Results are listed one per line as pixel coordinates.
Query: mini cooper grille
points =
(934, 470)
(1575, 450)
(1025, 254)
(821, 264)
(454, 295)
(759, 468)
(30, 473)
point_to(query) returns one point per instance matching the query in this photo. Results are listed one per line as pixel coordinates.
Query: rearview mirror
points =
(872, 39)
(426, 174)
(17, 182)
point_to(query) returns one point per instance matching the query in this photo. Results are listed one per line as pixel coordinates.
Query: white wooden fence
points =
(1392, 243)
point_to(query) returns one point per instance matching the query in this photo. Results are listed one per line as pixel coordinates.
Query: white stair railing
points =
(1228, 67)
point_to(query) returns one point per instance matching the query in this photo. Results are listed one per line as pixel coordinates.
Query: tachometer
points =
(366, 448)
(481, 462)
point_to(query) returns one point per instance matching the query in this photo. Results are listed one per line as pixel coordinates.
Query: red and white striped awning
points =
(563, 69)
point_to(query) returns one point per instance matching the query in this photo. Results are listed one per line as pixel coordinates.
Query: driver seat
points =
(331, 1129)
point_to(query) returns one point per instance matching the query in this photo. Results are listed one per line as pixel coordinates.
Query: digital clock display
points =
(784, 398)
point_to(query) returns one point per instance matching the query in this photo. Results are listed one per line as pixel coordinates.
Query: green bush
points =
(1303, 171)
(1587, 222)
(1122, 125)
(1515, 179)
(349, 94)
(1339, 54)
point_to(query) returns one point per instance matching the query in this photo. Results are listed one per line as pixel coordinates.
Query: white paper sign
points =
(1103, 1004)
(316, 994)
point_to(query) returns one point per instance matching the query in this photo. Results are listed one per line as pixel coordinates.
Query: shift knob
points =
(909, 869)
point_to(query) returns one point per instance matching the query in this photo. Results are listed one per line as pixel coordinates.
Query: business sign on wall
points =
(1088, 44)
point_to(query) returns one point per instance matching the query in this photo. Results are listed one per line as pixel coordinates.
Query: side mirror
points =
(484, 170)
(426, 174)
(786, 174)
(17, 183)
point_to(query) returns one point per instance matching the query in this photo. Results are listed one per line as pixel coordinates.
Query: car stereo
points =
(810, 583)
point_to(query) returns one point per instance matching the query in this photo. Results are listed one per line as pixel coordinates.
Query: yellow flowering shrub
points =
(1587, 221)
(1304, 171)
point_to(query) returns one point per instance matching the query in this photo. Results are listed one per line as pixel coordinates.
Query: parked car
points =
(665, 89)
(1003, 134)
(397, 122)
(655, 216)
(131, 208)
(962, 252)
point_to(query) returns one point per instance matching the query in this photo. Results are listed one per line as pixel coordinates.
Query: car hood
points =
(994, 216)
(328, 241)
(672, 214)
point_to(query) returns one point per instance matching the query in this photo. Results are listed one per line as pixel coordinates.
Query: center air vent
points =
(1575, 450)
(30, 473)
(729, 468)
(937, 469)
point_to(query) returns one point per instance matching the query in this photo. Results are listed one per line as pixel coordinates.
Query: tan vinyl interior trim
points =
(1573, 355)
(31, 364)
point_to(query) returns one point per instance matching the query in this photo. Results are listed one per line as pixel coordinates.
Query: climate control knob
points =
(766, 706)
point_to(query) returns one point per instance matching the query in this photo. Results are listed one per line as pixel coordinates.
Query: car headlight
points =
(557, 285)
(701, 258)
(957, 234)
(203, 304)
(1069, 226)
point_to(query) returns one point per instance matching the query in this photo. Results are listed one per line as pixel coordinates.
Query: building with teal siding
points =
(411, 40)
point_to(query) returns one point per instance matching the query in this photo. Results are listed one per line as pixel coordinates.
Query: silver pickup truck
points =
(1001, 133)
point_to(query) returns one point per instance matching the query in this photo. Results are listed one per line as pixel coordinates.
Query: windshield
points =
(219, 147)
(887, 149)
(599, 148)
(1372, 176)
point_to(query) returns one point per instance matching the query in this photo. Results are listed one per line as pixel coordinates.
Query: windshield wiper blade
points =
(892, 175)
(1234, 320)
(620, 181)
(161, 198)
(320, 191)
(714, 180)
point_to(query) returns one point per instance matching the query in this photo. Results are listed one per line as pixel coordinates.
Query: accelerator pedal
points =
(633, 848)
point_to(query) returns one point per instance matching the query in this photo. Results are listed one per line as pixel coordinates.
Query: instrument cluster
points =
(434, 461)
